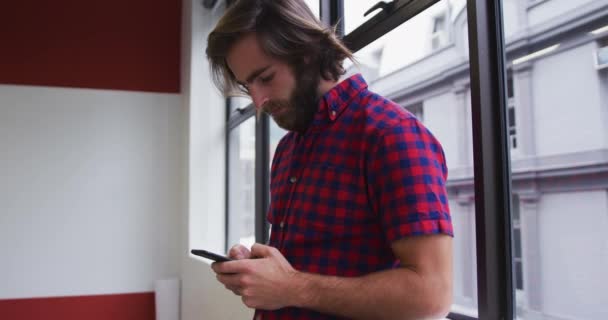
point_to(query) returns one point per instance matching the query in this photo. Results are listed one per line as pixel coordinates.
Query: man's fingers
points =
(262, 251)
(231, 281)
(239, 252)
(236, 266)
(236, 290)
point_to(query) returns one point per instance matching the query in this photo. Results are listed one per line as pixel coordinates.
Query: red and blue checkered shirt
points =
(365, 173)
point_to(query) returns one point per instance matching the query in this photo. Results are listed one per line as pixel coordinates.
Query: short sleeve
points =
(406, 173)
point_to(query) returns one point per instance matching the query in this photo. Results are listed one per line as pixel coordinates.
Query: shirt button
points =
(282, 224)
(333, 114)
(293, 179)
(259, 317)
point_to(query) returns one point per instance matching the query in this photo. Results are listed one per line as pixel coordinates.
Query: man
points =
(360, 222)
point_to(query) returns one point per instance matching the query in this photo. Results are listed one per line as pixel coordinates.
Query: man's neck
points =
(325, 86)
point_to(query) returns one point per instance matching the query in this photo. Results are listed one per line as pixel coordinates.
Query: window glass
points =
(238, 104)
(276, 133)
(416, 41)
(422, 65)
(241, 184)
(353, 13)
(558, 107)
(602, 52)
(314, 6)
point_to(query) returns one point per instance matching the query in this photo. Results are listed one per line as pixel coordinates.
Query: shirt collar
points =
(335, 101)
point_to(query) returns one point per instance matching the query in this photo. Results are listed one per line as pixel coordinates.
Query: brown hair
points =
(287, 30)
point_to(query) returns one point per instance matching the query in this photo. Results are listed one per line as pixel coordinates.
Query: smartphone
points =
(210, 255)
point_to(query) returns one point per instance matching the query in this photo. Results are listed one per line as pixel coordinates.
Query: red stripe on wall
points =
(110, 44)
(133, 306)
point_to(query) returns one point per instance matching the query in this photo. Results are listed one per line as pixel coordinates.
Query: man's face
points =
(288, 95)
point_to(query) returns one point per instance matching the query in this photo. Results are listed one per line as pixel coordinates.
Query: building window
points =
(439, 38)
(601, 54)
(517, 247)
(417, 111)
(511, 113)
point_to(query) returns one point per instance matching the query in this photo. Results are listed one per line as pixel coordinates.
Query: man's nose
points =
(259, 98)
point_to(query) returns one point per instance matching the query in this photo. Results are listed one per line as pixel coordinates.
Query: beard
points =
(297, 112)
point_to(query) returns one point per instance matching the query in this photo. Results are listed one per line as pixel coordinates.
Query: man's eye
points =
(267, 78)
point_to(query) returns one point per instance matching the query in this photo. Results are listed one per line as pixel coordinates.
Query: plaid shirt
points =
(366, 173)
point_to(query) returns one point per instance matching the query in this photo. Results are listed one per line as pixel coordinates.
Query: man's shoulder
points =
(381, 114)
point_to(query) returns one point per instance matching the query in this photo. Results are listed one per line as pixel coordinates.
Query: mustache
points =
(272, 105)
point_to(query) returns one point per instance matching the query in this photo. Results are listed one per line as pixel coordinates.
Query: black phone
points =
(210, 255)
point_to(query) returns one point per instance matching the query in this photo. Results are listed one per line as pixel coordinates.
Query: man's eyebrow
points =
(253, 75)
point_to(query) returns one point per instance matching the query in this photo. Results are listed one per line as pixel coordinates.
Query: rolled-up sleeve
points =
(406, 175)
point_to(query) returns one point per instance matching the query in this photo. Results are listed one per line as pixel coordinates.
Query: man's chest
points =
(319, 190)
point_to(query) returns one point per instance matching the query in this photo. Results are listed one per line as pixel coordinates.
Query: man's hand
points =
(265, 282)
(238, 252)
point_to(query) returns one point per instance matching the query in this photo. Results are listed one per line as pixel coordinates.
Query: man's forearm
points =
(393, 294)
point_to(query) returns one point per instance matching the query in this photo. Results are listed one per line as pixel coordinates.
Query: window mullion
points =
(492, 164)
(262, 176)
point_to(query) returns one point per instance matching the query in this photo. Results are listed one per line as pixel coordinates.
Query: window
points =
(601, 54)
(314, 6)
(417, 111)
(406, 44)
(241, 184)
(354, 14)
(517, 250)
(439, 37)
(560, 187)
(511, 113)
(276, 133)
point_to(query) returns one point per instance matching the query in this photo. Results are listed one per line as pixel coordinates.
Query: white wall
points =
(462, 283)
(202, 296)
(512, 25)
(462, 209)
(89, 195)
(552, 8)
(603, 78)
(567, 119)
(574, 254)
(444, 128)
